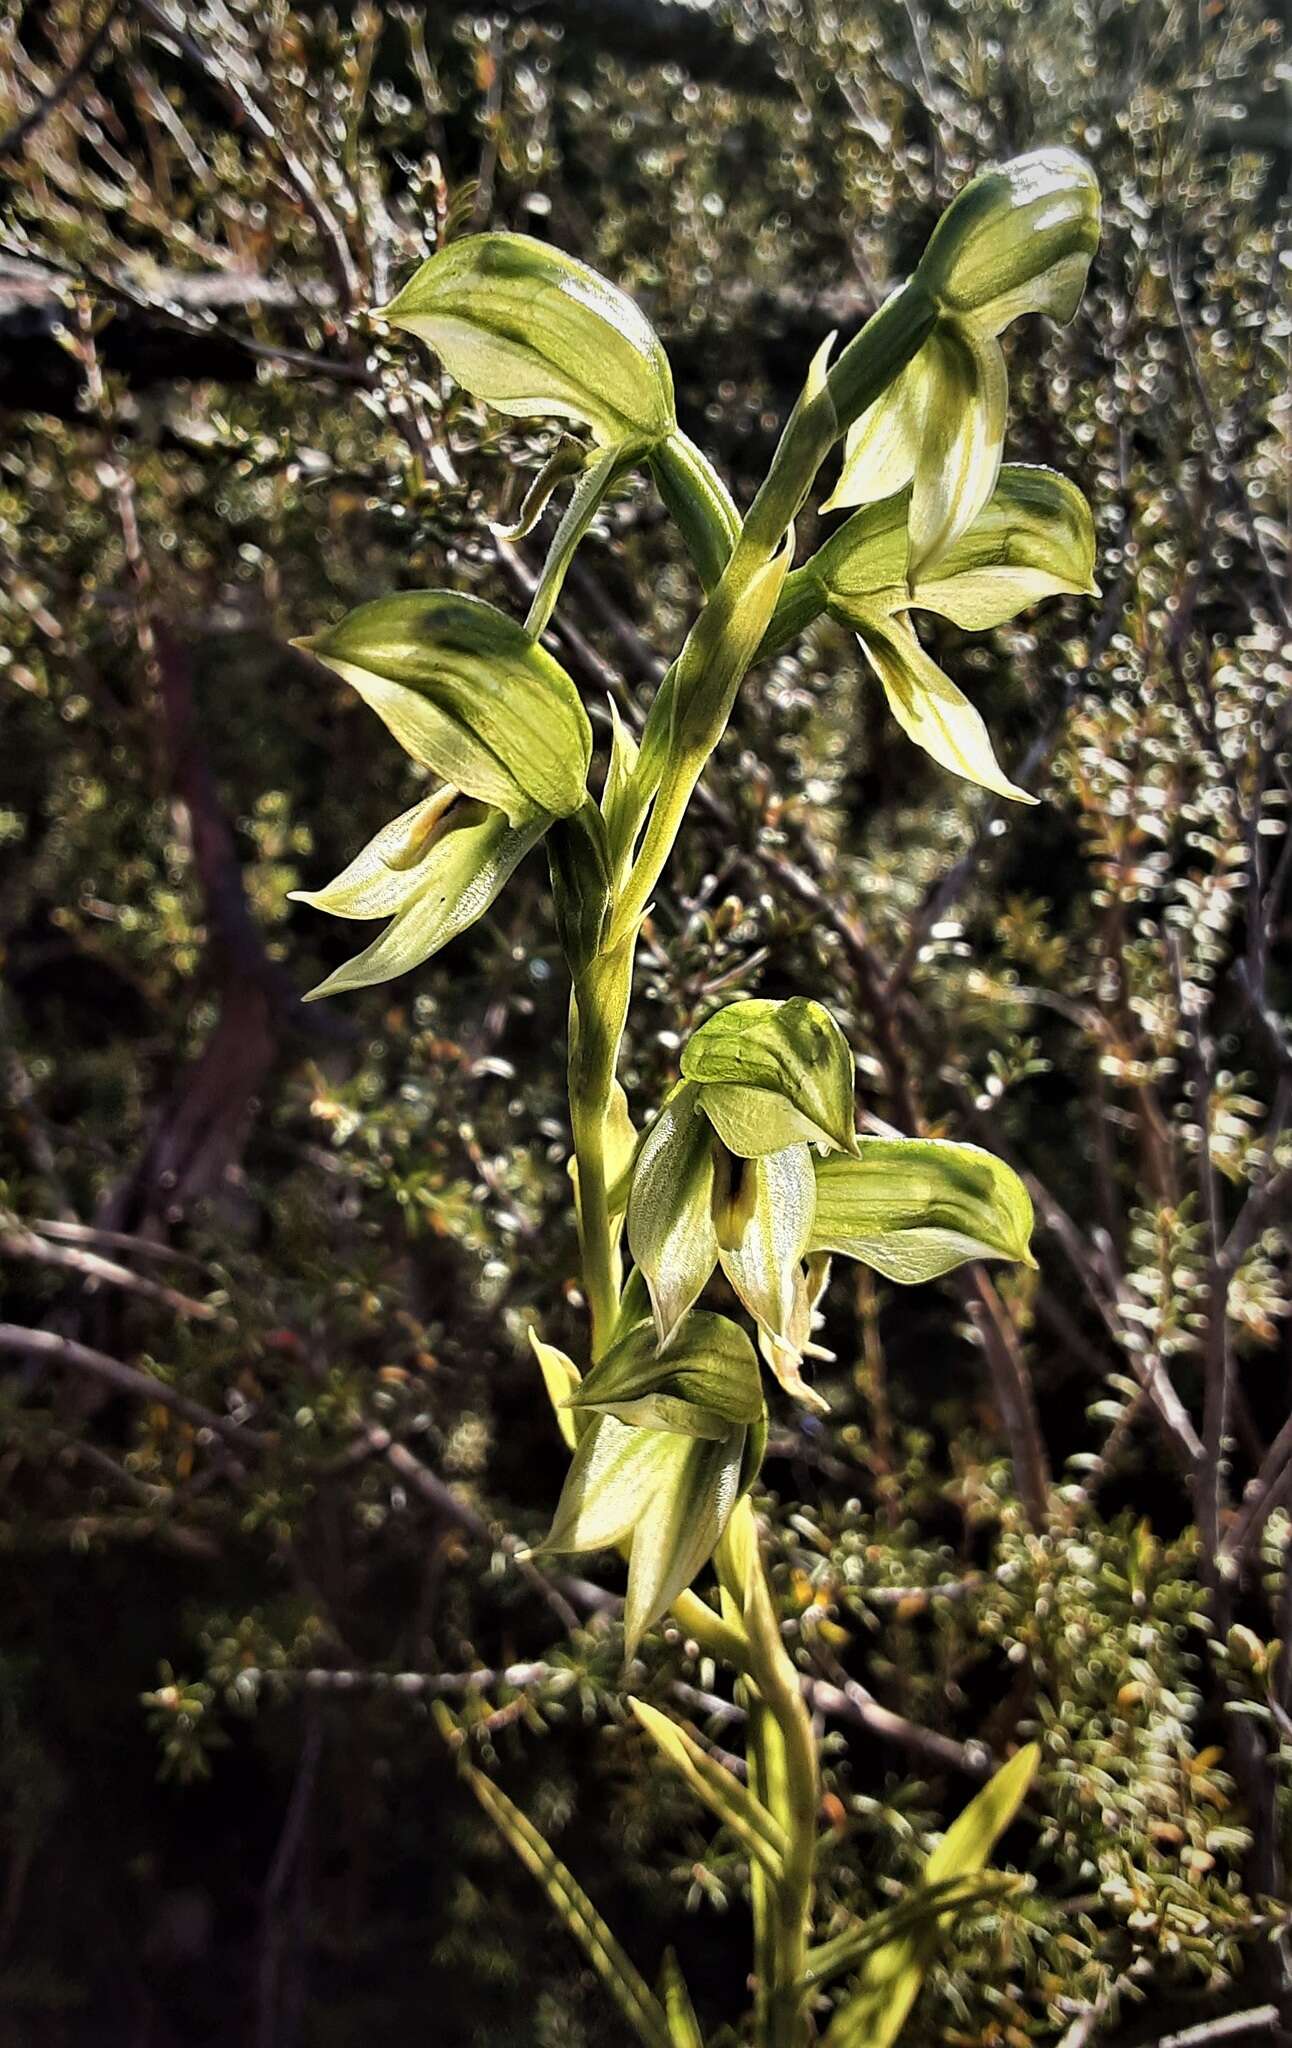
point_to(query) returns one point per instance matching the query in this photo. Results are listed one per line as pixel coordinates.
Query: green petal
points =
(388, 873)
(679, 1526)
(1035, 539)
(458, 879)
(668, 1495)
(771, 1068)
(531, 331)
(670, 1223)
(709, 1371)
(764, 1266)
(466, 691)
(964, 434)
(915, 1207)
(612, 1473)
(883, 446)
(930, 709)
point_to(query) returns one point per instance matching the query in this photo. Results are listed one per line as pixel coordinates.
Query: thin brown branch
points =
(63, 1354)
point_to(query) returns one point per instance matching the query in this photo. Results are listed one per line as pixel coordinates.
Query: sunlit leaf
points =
(683, 2025)
(891, 1976)
(733, 1804)
(532, 331)
(465, 691)
(769, 1069)
(913, 1208)
(577, 1914)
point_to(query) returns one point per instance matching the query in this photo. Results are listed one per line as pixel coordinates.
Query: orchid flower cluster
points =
(752, 1166)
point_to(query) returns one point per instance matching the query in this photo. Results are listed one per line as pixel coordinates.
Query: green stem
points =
(786, 1765)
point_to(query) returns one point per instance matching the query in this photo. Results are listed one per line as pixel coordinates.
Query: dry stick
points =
(19, 1243)
(72, 1232)
(433, 1490)
(63, 1352)
(286, 1858)
(1262, 1496)
(1209, 1477)
(246, 108)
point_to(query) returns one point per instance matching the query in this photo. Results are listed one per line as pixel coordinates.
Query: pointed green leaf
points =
(764, 1265)
(533, 332)
(1035, 539)
(388, 873)
(707, 1379)
(684, 2027)
(1018, 239)
(912, 1208)
(670, 1223)
(772, 1068)
(577, 1914)
(561, 1378)
(929, 707)
(466, 691)
(758, 1832)
(891, 1976)
(470, 857)
(924, 1905)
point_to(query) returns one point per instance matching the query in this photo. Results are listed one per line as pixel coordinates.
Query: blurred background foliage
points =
(271, 1430)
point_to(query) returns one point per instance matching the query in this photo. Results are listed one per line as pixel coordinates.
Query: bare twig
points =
(63, 1353)
(16, 1242)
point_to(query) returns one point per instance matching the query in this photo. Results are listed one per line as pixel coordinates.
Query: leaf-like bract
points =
(707, 1379)
(913, 1208)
